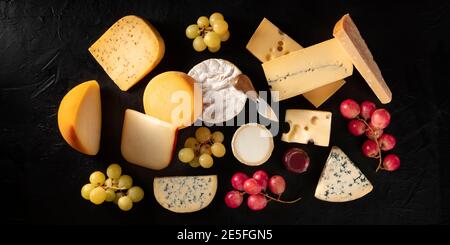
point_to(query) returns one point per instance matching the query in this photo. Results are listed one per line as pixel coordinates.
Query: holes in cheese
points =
(346, 32)
(252, 144)
(128, 50)
(308, 126)
(147, 141)
(80, 117)
(171, 97)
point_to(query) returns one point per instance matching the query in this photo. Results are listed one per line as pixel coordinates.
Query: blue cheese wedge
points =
(341, 180)
(185, 194)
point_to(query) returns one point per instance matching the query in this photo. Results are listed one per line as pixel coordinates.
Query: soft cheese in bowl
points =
(252, 144)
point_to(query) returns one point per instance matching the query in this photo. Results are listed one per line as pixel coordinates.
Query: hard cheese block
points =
(346, 32)
(80, 117)
(308, 126)
(306, 69)
(170, 97)
(185, 194)
(147, 141)
(128, 50)
(341, 180)
(269, 42)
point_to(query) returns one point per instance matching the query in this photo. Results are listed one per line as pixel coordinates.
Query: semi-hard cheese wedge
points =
(147, 141)
(308, 126)
(269, 42)
(170, 96)
(80, 117)
(341, 180)
(185, 194)
(307, 69)
(128, 50)
(346, 32)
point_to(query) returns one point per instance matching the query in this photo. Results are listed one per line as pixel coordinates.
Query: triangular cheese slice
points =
(341, 180)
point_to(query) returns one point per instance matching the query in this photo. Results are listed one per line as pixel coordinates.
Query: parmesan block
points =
(128, 50)
(185, 194)
(170, 97)
(80, 117)
(346, 32)
(147, 141)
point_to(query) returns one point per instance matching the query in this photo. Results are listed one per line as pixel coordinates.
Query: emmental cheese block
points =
(185, 194)
(307, 69)
(128, 50)
(269, 42)
(341, 180)
(147, 141)
(308, 126)
(80, 117)
(346, 32)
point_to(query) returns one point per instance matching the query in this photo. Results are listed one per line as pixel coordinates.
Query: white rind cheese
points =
(185, 194)
(341, 180)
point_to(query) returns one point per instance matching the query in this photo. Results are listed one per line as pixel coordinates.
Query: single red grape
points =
(356, 127)
(367, 108)
(251, 186)
(256, 202)
(391, 162)
(380, 118)
(370, 148)
(262, 178)
(387, 142)
(237, 181)
(277, 185)
(233, 199)
(349, 108)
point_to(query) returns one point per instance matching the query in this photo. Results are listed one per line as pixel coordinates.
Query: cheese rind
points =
(252, 144)
(185, 194)
(307, 126)
(346, 32)
(269, 42)
(80, 117)
(307, 69)
(147, 141)
(341, 180)
(128, 50)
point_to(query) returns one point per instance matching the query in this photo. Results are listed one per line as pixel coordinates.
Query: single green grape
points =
(195, 163)
(97, 178)
(220, 27)
(224, 37)
(125, 182)
(199, 44)
(203, 134)
(97, 195)
(110, 195)
(206, 161)
(117, 197)
(212, 39)
(217, 137)
(215, 16)
(203, 22)
(205, 149)
(218, 150)
(114, 171)
(125, 203)
(186, 155)
(86, 190)
(135, 193)
(214, 50)
(191, 142)
(192, 31)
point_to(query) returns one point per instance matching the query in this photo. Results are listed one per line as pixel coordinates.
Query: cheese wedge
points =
(346, 32)
(80, 117)
(308, 126)
(341, 180)
(128, 50)
(185, 194)
(147, 141)
(269, 42)
(307, 69)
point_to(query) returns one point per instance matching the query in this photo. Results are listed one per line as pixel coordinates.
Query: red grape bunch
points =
(367, 119)
(255, 187)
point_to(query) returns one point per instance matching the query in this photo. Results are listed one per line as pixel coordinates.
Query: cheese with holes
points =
(306, 69)
(185, 194)
(269, 42)
(128, 50)
(147, 141)
(308, 126)
(170, 96)
(341, 180)
(80, 117)
(346, 32)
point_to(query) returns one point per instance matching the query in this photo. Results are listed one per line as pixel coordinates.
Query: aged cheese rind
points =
(341, 180)
(346, 32)
(307, 69)
(128, 50)
(185, 194)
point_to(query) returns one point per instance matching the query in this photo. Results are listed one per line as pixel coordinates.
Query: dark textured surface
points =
(43, 53)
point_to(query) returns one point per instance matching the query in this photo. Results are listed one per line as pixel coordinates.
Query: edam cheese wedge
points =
(147, 141)
(346, 32)
(128, 50)
(80, 117)
(171, 97)
(269, 42)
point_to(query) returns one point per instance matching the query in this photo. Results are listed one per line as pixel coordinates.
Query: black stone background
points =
(43, 54)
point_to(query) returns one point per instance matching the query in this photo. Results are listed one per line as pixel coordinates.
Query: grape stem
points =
(116, 188)
(380, 159)
(281, 201)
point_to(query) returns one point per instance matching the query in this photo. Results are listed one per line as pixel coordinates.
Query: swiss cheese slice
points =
(147, 141)
(80, 117)
(307, 69)
(170, 96)
(185, 194)
(341, 180)
(128, 50)
(346, 32)
(269, 42)
(308, 126)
